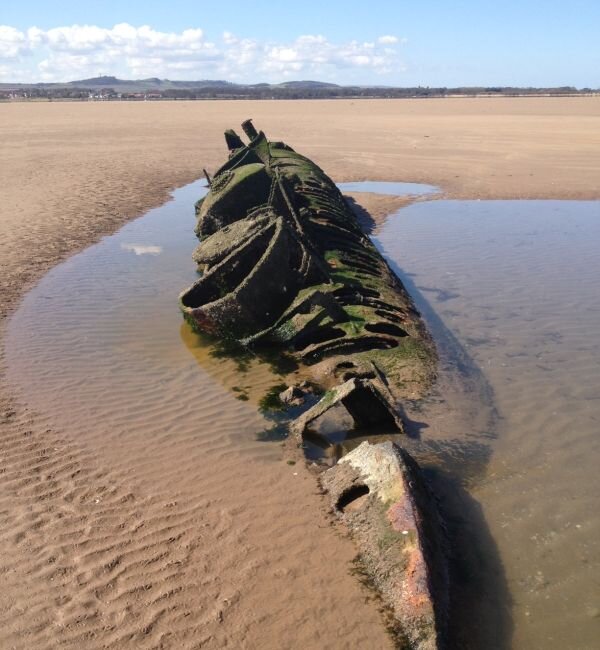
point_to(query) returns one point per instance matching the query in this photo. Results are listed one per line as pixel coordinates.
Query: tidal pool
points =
(516, 284)
(509, 435)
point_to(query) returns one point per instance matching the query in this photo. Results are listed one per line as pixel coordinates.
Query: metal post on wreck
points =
(249, 129)
(233, 140)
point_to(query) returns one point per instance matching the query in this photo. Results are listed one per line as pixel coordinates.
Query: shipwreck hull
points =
(284, 264)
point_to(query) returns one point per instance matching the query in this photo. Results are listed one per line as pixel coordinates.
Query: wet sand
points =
(102, 552)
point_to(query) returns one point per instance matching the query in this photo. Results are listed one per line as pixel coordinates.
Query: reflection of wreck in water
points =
(285, 265)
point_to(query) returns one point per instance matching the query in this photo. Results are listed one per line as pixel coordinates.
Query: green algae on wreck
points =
(286, 268)
(285, 265)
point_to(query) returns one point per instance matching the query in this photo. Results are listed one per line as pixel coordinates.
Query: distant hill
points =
(304, 85)
(154, 83)
(99, 81)
(108, 87)
(141, 85)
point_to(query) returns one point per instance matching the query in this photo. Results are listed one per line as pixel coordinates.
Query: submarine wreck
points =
(285, 265)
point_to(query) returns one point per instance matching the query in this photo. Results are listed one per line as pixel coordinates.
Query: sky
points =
(373, 42)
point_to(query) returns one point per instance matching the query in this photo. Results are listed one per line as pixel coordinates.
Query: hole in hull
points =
(345, 364)
(352, 292)
(348, 346)
(389, 316)
(353, 498)
(385, 328)
(318, 336)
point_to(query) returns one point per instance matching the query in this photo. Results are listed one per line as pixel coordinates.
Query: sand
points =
(107, 554)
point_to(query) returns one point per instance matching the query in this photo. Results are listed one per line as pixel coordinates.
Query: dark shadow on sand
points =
(366, 221)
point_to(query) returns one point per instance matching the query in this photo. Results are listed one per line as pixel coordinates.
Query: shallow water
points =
(509, 292)
(390, 188)
(516, 282)
(101, 340)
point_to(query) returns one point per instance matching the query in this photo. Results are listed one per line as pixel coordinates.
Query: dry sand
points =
(94, 555)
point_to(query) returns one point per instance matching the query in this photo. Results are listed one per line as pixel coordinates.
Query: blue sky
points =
(538, 43)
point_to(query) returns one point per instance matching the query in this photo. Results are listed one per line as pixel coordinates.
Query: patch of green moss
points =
(358, 313)
(270, 400)
(346, 276)
(285, 331)
(328, 397)
(352, 327)
(332, 255)
(394, 361)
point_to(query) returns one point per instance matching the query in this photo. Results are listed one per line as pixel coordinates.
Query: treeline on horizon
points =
(265, 91)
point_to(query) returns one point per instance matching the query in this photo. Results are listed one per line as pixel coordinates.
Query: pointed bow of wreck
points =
(379, 492)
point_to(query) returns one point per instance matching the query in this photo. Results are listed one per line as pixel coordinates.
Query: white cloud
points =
(78, 51)
(13, 43)
(229, 38)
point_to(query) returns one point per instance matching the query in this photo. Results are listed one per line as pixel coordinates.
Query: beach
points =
(109, 546)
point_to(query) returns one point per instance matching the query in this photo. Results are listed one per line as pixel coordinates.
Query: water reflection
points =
(142, 249)
(454, 454)
(515, 283)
